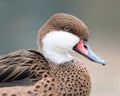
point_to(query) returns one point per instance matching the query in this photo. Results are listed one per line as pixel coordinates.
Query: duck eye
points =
(66, 28)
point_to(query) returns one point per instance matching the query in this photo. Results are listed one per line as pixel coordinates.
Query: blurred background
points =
(20, 21)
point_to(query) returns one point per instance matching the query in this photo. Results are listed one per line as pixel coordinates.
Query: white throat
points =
(57, 45)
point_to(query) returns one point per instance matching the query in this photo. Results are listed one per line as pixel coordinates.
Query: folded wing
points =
(22, 64)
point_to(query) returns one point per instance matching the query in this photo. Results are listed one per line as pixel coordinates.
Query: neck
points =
(57, 56)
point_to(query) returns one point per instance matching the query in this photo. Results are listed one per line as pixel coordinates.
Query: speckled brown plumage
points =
(70, 79)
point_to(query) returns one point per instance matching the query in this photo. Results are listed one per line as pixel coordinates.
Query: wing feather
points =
(22, 64)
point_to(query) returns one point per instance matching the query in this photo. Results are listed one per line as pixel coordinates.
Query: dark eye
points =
(66, 28)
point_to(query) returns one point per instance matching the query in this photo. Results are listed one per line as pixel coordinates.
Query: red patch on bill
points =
(81, 48)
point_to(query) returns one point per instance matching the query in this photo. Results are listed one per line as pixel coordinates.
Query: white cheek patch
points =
(57, 44)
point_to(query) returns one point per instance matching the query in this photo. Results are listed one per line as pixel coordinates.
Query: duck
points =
(52, 70)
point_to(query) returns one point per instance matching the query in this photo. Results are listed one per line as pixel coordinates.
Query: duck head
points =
(63, 33)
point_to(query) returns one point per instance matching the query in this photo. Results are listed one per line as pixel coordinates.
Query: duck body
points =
(70, 78)
(55, 71)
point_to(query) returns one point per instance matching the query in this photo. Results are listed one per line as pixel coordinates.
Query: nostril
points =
(85, 46)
